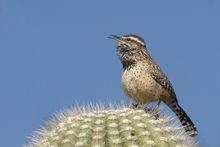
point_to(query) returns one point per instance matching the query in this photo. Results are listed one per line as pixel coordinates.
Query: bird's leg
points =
(154, 110)
(147, 109)
(133, 104)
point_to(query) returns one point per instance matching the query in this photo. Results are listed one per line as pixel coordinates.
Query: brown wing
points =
(158, 75)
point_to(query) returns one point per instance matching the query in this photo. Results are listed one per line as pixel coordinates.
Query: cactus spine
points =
(112, 128)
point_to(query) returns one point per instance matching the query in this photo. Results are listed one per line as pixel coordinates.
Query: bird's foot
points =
(153, 111)
(133, 106)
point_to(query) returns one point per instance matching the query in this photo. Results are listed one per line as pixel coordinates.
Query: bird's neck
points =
(130, 58)
(128, 64)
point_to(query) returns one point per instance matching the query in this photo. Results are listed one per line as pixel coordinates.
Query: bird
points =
(143, 80)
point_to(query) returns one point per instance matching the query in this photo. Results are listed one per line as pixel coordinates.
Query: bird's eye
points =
(128, 39)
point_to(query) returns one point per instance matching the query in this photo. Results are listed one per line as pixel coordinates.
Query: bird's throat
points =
(128, 64)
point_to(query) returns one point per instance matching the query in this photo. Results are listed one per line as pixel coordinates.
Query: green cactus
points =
(119, 127)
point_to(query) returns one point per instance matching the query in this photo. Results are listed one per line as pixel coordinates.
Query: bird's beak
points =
(116, 38)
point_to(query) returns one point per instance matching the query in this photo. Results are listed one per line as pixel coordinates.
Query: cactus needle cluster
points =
(115, 127)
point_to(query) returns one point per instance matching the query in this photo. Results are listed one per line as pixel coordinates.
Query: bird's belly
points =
(140, 86)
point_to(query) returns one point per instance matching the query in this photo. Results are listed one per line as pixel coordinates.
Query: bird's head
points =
(128, 43)
(131, 49)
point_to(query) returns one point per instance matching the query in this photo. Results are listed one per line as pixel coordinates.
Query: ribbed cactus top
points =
(110, 128)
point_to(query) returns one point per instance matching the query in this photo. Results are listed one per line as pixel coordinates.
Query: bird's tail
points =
(183, 117)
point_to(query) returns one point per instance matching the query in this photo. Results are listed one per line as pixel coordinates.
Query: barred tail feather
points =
(184, 118)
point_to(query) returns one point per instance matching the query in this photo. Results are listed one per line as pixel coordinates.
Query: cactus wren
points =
(144, 81)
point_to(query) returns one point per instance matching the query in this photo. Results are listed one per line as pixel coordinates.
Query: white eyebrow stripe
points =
(137, 40)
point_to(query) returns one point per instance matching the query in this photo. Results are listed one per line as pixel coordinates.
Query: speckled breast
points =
(139, 85)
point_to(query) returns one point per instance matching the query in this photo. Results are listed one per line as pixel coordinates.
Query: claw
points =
(134, 104)
(153, 111)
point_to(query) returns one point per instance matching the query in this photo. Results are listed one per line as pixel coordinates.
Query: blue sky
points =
(53, 53)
